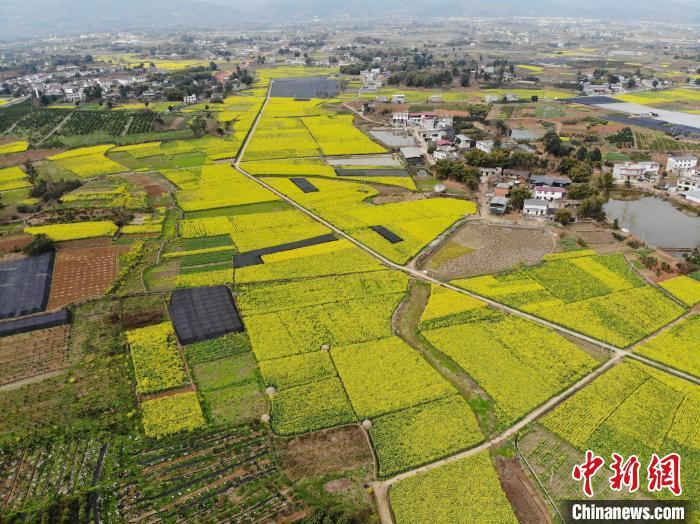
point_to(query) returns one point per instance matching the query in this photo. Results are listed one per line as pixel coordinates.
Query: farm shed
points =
(254, 258)
(34, 323)
(389, 235)
(25, 285)
(498, 205)
(203, 313)
(413, 155)
(304, 185)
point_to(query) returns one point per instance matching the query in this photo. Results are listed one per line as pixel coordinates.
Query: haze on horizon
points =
(21, 19)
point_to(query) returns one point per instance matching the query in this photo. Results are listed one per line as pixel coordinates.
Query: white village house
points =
(681, 165)
(549, 193)
(485, 145)
(635, 171)
(535, 208)
(463, 141)
(688, 182)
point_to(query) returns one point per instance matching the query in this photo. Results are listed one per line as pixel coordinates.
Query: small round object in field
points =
(325, 347)
(271, 390)
(265, 419)
(367, 424)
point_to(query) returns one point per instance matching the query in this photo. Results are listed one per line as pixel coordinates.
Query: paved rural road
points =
(381, 488)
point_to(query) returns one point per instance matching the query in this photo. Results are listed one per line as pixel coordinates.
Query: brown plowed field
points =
(14, 242)
(83, 273)
(29, 354)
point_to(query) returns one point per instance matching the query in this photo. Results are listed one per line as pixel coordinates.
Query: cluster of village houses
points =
(69, 82)
(548, 191)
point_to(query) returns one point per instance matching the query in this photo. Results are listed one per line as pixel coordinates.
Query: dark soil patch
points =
(14, 243)
(324, 452)
(525, 499)
(15, 159)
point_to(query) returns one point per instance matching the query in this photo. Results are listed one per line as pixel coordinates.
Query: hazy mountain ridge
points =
(26, 18)
(39, 17)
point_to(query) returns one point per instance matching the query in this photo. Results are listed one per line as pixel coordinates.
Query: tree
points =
(93, 93)
(581, 172)
(31, 171)
(694, 256)
(581, 191)
(523, 160)
(552, 142)
(592, 207)
(213, 66)
(563, 216)
(198, 125)
(464, 79)
(455, 170)
(606, 182)
(595, 155)
(567, 164)
(40, 244)
(655, 83)
(518, 196)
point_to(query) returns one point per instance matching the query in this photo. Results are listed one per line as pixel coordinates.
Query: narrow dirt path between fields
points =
(59, 126)
(32, 380)
(405, 325)
(381, 488)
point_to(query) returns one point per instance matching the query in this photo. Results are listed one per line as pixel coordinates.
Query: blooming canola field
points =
(336, 328)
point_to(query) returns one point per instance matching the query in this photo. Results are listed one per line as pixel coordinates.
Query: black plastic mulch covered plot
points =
(203, 313)
(254, 258)
(306, 87)
(304, 185)
(33, 323)
(389, 235)
(25, 285)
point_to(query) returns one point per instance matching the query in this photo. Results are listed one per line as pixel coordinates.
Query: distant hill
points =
(40, 17)
(37, 17)
(664, 10)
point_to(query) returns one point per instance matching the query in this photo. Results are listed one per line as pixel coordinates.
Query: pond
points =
(654, 220)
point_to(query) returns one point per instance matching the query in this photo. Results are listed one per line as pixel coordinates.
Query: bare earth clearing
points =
(338, 449)
(29, 354)
(495, 248)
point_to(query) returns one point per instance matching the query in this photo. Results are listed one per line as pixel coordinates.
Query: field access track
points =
(381, 488)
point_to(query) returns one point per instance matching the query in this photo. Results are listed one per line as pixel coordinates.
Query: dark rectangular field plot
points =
(307, 87)
(253, 258)
(33, 323)
(389, 235)
(370, 172)
(304, 185)
(203, 313)
(25, 285)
